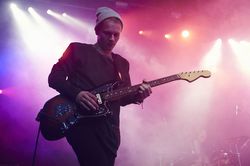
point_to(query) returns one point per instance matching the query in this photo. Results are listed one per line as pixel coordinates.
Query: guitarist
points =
(85, 67)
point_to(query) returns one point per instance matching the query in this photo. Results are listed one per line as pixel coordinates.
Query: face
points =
(109, 34)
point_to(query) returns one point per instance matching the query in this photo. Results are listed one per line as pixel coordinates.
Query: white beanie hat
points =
(103, 13)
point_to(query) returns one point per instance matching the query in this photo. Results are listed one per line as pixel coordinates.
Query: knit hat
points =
(103, 13)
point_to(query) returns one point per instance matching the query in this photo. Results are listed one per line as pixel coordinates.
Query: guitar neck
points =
(163, 80)
(119, 93)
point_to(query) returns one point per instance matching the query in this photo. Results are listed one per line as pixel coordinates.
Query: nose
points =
(112, 37)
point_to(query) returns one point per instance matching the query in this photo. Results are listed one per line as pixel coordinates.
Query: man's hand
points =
(87, 100)
(144, 91)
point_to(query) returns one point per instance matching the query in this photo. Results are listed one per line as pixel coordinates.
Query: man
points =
(84, 67)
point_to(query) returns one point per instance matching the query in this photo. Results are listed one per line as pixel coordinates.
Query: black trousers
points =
(95, 142)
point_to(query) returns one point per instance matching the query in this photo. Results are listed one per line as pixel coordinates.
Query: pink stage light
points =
(140, 32)
(168, 36)
(185, 33)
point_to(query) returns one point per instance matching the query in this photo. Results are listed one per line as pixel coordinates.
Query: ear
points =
(96, 31)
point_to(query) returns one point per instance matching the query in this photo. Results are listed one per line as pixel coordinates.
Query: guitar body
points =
(59, 114)
(54, 117)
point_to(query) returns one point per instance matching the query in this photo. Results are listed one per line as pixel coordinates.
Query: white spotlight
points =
(30, 9)
(167, 36)
(242, 53)
(185, 33)
(141, 32)
(213, 57)
(49, 12)
(64, 15)
(13, 6)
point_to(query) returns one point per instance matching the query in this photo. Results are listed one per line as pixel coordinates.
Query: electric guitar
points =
(59, 113)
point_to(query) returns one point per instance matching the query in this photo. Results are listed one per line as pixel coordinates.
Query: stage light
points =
(145, 33)
(58, 16)
(213, 57)
(13, 6)
(140, 32)
(34, 32)
(31, 10)
(1, 91)
(41, 21)
(29, 31)
(49, 12)
(167, 36)
(43, 30)
(54, 14)
(242, 52)
(23, 22)
(185, 33)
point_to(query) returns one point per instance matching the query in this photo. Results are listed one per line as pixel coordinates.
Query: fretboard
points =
(119, 93)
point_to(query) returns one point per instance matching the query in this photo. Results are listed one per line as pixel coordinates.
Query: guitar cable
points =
(35, 150)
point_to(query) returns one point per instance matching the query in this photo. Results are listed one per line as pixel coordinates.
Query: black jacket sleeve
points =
(59, 77)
